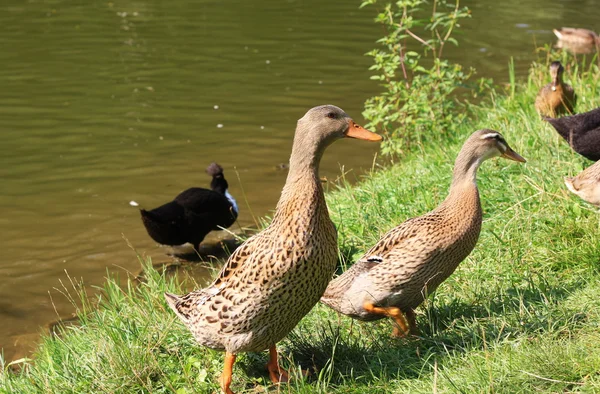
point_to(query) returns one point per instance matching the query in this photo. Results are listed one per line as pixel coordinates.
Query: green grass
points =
(520, 315)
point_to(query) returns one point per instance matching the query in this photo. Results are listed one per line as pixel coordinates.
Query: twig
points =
(552, 380)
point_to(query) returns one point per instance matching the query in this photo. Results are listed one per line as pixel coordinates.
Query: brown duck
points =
(412, 260)
(577, 40)
(556, 97)
(274, 278)
(587, 184)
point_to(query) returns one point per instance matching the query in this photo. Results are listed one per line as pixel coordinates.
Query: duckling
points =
(577, 40)
(587, 184)
(556, 97)
(581, 131)
(410, 261)
(193, 213)
(275, 278)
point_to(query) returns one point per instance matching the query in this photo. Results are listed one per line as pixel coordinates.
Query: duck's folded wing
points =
(199, 200)
(590, 176)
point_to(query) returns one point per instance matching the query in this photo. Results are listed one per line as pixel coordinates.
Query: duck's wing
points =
(590, 176)
(338, 286)
(206, 209)
(190, 305)
(200, 200)
(164, 223)
(401, 237)
(385, 257)
(575, 34)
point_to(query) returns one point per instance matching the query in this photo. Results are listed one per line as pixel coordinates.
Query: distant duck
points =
(581, 131)
(556, 97)
(193, 213)
(410, 261)
(587, 184)
(577, 40)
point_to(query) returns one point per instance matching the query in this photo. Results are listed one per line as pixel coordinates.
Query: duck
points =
(587, 184)
(556, 97)
(577, 40)
(275, 277)
(581, 131)
(194, 213)
(411, 260)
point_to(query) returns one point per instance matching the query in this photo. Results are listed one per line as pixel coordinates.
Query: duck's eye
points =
(331, 115)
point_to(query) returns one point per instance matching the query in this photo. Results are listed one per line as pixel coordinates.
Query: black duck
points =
(193, 213)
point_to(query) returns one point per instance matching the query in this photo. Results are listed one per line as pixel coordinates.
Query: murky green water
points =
(106, 102)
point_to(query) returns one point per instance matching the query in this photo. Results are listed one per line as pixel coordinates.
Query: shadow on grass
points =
(446, 330)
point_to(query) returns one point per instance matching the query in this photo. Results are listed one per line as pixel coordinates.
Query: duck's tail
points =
(569, 181)
(338, 287)
(173, 301)
(558, 33)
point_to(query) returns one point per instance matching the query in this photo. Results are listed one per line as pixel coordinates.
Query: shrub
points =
(419, 89)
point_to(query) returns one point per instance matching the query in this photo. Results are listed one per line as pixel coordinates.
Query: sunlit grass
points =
(520, 315)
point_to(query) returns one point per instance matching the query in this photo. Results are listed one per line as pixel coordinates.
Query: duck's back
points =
(416, 257)
(581, 131)
(587, 184)
(206, 208)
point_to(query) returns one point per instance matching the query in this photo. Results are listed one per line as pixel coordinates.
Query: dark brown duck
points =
(581, 131)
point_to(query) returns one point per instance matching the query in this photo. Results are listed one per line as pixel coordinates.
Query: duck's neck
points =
(306, 155)
(464, 178)
(303, 188)
(557, 82)
(219, 184)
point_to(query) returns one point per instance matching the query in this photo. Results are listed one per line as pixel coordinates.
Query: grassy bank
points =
(521, 314)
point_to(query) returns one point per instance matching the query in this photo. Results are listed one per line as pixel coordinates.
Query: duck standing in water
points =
(412, 260)
(556, 97)
(193, 213)
(275, 278)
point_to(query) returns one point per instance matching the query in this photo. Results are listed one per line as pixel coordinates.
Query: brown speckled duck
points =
(587, 184)
(274, 278)
(412, 260)
(556, 97)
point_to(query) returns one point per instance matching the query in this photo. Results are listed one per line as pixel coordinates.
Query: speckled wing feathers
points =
(415, 258)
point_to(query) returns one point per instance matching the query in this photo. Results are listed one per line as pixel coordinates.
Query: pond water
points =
(104, 102)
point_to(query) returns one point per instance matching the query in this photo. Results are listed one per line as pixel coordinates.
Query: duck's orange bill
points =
(357, 131)
(512, 155)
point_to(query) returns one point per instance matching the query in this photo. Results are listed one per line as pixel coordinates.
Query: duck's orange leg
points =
(404, 324)
(225, 379)
(276, 373)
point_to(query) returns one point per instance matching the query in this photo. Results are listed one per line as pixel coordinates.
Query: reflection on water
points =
(107, 102)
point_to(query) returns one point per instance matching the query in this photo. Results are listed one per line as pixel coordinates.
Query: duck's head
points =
(480, 146)
(327, 123)
(486, 143)
(214, 170)
(218, 182)
(556, 71)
